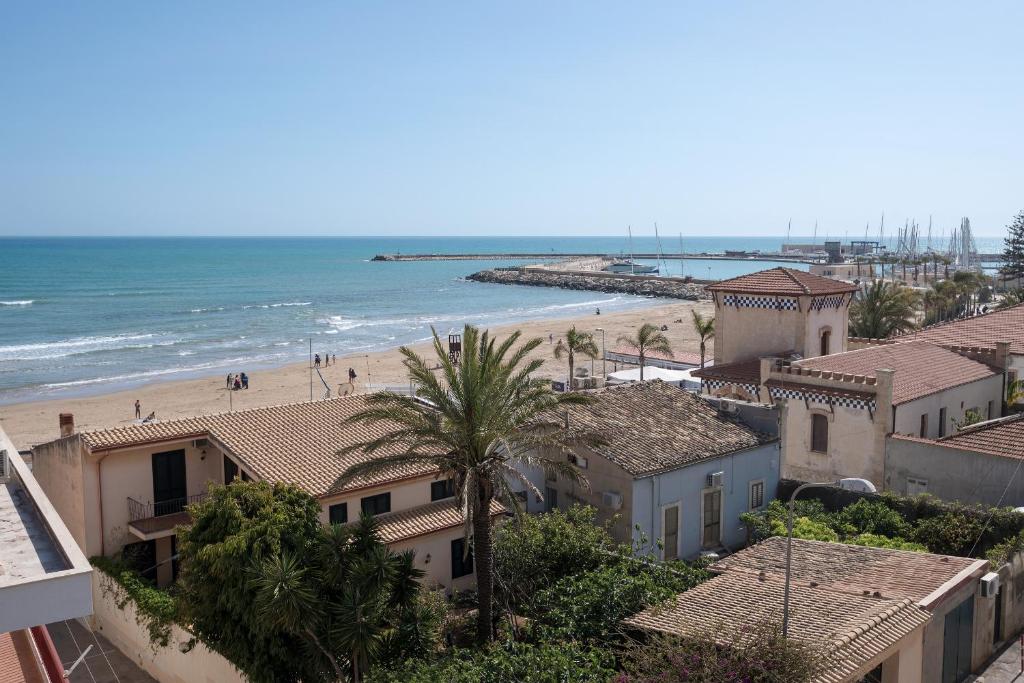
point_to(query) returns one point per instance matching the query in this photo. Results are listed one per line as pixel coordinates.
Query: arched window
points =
(826, 336)
(819, 433)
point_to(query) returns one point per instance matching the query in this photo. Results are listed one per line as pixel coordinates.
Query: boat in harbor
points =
(630, 266)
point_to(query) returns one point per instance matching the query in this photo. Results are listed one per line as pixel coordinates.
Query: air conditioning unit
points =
(989, 585)
(728, 407)
(715, 479)
(612, 500)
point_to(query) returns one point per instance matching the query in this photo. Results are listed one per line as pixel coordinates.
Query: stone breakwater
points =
(671, 288)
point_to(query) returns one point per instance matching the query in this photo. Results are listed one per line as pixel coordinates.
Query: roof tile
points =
(425, 519)
(784, 281)
(982, 331)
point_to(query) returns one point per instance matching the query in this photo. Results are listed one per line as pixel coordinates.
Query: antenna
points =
(788, 229)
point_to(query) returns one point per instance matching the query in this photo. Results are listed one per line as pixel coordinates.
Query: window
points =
(942, 422)
(924, 426)
(550, 499)
(756, 494)
(245, 477)
(992, 410)
(338, 513)
(376, 505)
(712, 535)
(819, 433)
(670, 529)
(230, 470)
(825, 337)
(916, 486)
(439, 490)
(578, 460)
(462, 561)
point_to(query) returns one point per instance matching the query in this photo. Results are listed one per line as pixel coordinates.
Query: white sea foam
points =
(286, 303)
(26, 302)
(65, 347)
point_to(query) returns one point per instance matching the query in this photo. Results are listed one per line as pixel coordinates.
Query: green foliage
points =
(1010, 298)
(591, 605)
(757, 654)
(879, 541)
(534, 551)
(951, 533)
(971, 417)
(882, 310)
(764, 524)
(508, 662)
(807, 528)
(156, 609)
(475, 426)
(648, 338)
(1013, 252)
(287, 599)
(869, 517)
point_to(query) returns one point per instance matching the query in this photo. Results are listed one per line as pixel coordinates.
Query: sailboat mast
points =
(681, 259)
(632, 264)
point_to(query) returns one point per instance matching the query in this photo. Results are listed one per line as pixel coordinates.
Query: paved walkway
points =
(1005, 668)
(104, 663)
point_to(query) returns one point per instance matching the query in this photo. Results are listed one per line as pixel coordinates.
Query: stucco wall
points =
(984, 615)
(956, 401)
(404, 495)
(603, 476)
(953, 473)
(745, 333)
(856, 443)
(57, 466)
(129, 473)
(434, 556)
(168, 664)
(686, 486)
(835, 320)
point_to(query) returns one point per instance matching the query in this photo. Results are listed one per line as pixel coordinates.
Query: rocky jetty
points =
(672, 288)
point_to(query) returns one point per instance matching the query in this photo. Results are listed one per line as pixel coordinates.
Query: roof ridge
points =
(245, 411)
(981, 426)
(789, 272)
(865, 625)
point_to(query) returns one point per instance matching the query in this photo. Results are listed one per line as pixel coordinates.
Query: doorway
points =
(169, 487)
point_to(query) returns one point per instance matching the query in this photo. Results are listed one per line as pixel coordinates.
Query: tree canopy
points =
(1013, 250)
(882, 310)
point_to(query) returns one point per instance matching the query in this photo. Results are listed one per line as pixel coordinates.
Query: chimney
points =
(67, 424)
(883, 397)
(1002, 355)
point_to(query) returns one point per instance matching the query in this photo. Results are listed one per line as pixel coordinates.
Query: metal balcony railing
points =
(138, 510)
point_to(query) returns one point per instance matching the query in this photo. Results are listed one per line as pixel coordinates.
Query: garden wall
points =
(167, 664)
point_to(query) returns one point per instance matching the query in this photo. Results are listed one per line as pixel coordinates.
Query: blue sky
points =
(508, 118)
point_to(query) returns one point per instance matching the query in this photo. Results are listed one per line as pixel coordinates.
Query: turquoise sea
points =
(88, 315)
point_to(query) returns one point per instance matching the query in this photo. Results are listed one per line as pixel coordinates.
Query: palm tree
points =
(1014, 393)
(575, 342)
(648, 338)
(705, 329)
(1011, 297)
(475, 421)
(883, 309)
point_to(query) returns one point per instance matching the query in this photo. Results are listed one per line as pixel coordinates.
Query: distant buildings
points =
(128, 486)
(670, 467)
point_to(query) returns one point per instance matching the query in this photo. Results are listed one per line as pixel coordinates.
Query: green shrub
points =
(507, 662)
(156, 609)
(878, 541)
(873, 517)
(807, 528)
(592, 605)
(952, 533)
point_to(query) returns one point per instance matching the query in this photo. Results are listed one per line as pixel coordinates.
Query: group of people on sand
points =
(239, 381)
(327, 360)
(138, 413)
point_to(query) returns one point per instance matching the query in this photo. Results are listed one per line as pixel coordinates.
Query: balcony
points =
(149, 521)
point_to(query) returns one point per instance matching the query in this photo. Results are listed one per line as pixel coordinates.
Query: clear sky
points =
(551, 118)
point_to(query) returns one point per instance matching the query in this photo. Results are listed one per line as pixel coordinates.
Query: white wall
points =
(434, 556)
(956, 401)
(404, 495)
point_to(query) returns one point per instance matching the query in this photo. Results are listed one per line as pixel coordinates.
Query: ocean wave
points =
(286, 303)
(26, 302)
(182, 369)
(64, 347)
(207, 310)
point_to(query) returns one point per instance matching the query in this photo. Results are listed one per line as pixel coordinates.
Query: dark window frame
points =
(377, 504)
(338, 513)
(462, 565)
(442, 489)
(819, 422)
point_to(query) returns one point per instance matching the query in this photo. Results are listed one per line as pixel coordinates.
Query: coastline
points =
(33, 422)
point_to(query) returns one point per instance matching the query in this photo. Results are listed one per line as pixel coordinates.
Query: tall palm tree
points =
(883, 309)
(648, 338)
(705, 329)
(575, 343)
(475, 421)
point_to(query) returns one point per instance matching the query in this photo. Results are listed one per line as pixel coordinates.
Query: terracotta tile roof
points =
(894, 574)
(682, 357)
(653, 427)
(982, 330)
(425, 519)
(921, 368)
(295, 443)
(783, 281)
(1004, 436)
(740, 372)
(18, 663)
(855, 629)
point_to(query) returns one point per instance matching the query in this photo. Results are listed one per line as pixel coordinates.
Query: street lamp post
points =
(604, 356)
(789, 548)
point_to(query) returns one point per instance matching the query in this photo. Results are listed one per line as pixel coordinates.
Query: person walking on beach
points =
(245, 381)
(230, 378)
(335, 359)
(138, 409)
(351, 376)
(316, 360)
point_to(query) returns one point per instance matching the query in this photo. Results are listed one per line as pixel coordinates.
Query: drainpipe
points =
(99, 478)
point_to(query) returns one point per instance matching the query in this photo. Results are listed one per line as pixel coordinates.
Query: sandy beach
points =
(35, 422)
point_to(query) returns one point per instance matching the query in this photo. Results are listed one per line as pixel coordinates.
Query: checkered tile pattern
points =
(782, 303)
(718, 384)
(827, 399)
(820, 302)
